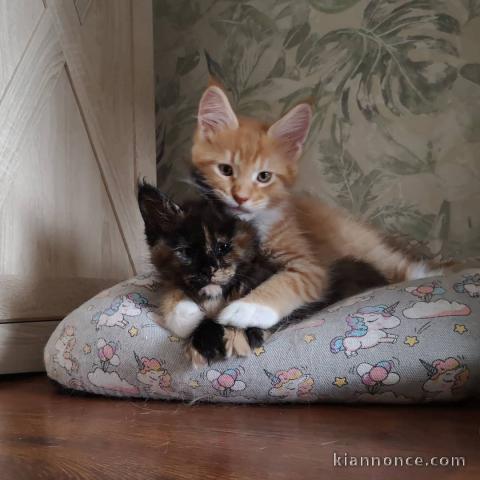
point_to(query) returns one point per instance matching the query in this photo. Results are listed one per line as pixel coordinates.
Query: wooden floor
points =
(46, 433)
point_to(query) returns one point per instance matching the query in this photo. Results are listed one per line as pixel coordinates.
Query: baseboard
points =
(21, 345)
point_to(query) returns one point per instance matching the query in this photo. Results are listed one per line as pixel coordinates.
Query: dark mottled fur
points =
(347, 277)
(188, 243)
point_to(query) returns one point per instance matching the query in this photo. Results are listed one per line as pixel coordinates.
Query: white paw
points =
(243, 315)
(184, 319)
(211, 290)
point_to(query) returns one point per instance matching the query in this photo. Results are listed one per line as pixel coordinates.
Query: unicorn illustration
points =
(367, 329)
(445, 378)
(122, 306)
(64, 347)
(153, 375)
(426, 291)
(290, 384)
(470, 284)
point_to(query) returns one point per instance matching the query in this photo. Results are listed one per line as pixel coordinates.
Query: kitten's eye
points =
(222, 248)
(225, 169)
(264, 177)
(184, 255)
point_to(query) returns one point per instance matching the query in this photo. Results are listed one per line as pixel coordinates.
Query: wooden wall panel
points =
(25, 97)
(58, 220)
(76, 131)
(143, 90)
(106, 45)
(18, 20)
(82, 7)
(99, 58)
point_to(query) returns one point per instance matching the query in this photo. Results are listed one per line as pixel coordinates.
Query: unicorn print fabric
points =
(406, 343)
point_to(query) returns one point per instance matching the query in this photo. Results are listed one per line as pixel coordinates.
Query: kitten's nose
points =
(239, 199)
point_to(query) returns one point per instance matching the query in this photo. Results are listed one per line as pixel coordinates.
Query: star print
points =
(133, 331)
(411, 341)
(459, 328)
(309, 338)
(340, 382)
(194, 383)
(173, 339)
(259, 351)
(87, 348)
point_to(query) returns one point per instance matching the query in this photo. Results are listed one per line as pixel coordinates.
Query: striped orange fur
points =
(251, 167)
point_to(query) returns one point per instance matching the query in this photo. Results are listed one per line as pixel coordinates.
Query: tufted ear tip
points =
(292, 129)
(215, 112)
(160, 214)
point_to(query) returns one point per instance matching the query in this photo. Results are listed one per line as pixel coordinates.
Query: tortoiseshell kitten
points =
(210, 257)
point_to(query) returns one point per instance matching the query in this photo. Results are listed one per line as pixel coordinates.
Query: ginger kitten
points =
(251, 167)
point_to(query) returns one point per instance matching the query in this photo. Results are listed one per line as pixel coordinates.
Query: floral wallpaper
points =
(396, 89)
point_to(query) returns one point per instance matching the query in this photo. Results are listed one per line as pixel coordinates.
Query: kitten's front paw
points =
(211, 291)
(208, 341)
(243, 315)
(184, 318)
(255, 337)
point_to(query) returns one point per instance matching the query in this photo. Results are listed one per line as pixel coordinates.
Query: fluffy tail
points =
(336, 345)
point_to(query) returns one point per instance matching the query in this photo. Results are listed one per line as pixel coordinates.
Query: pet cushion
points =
(405, 343)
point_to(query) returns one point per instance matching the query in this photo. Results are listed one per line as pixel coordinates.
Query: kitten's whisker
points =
(198, 186)
(188, 181)
(204, 190)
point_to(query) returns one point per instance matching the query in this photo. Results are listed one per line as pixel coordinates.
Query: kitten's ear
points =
(292, 129)
(160, 214)
(215, 112)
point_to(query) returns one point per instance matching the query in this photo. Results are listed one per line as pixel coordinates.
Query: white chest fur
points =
(265, 220)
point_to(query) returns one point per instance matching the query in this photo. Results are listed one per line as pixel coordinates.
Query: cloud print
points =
(440, 308)
(111, 381)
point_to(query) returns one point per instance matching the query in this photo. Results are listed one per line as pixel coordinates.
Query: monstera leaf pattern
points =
(395, 85)
(387, 63)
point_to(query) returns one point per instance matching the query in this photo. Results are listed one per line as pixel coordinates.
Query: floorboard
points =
(48, 433)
